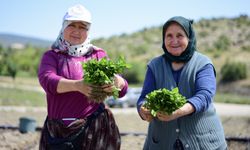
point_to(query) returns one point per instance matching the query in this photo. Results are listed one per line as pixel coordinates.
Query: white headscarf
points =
(75, 13)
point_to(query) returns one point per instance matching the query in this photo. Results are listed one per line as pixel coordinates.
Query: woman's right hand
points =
(93, 92)
(66, 85)
(83, 88)
(146, 114)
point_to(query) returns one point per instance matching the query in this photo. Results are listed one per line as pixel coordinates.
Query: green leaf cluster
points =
(164, 100)
(103, 71)
(100, 72)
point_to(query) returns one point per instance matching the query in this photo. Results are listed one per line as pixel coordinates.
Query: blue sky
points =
(43, 18)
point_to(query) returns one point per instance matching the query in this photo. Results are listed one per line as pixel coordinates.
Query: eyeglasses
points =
(178, 145)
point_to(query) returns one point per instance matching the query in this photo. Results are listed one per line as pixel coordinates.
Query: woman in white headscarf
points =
(74, 121)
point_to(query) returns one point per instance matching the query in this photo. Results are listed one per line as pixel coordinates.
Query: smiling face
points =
(176, 40)
(76, 33)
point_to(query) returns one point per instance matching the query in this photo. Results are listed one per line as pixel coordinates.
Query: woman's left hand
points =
(186, 109)
(165, 117)
(118, 83)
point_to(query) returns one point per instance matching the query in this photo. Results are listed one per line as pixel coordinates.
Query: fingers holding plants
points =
(163, 116)
(101, 73)
(97, 94)
(166, 117)
(108, 88)
(119, 81)
(144, 110)
(100, 93)
(163, 103)
(145, 114)
(83, 88)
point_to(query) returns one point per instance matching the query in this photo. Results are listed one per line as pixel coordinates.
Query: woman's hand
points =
(84, 88)
(186, 109)
(66, 85)
(99, 93)
(118, 83)
(165, 117)
(145, 114)
(94, 93)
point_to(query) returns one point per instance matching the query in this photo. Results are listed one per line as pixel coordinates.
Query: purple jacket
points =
(57, 65)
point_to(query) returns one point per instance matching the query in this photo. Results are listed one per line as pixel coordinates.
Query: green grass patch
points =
(18, 97)
(20, 80)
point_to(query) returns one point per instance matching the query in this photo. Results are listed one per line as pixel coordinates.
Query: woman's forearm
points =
(66, 85)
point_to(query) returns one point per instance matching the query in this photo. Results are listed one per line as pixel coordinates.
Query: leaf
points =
(164, 100)
(102, 72)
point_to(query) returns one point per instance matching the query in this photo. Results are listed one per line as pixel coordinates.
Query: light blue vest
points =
(200, 131)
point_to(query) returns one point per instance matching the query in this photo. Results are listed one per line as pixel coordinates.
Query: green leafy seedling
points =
(164, 100)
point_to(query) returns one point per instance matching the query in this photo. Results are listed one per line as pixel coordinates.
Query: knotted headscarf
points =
(75, 13)
(187, 27)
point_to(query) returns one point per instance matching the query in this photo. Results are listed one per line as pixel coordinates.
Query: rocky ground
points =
(132, 128)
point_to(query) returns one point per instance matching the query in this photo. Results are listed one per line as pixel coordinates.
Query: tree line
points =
(221, 38)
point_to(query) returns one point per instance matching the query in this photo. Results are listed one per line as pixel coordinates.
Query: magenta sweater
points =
(53, 67)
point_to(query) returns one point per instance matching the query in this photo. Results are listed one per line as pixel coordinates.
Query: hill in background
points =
(222, 39)
(17, 41)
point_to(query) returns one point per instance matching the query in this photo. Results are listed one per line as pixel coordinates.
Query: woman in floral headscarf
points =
(74, 121)
(195, 125)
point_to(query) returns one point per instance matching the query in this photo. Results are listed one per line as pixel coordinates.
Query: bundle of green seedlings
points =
(98, 73)
(164, 100)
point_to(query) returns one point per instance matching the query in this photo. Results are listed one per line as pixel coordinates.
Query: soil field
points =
(133, 129)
